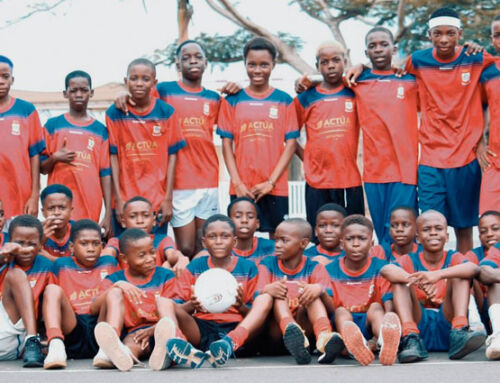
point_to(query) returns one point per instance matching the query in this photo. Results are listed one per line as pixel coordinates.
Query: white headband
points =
(445, 20)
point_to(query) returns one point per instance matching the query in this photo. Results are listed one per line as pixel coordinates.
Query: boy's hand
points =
(64, 155)
(239, 298)
(166, 210)
(398, 71)
(230, 88)
(31, 206)
(106, 224)
(122, 99)
(260, 190)
(472, 48)
(425, 277)
(131, 292)
(483, 152)
(119, 210)
(49, 227)
(303, 83)
(310, 292)
(10, 250)
(143, 335)
(241, 190)
(277, 289)
(181, 264)
(196, 303)
(352, 75)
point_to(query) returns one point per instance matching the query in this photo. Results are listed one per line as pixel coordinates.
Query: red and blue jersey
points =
(243, 270)
(22, 138)
(161, 283)
(59, 248)
(143, 141)
(197, 110)
(387, 112)
(357, 290)
(81, 284)
(387, 253)
(318, 250)
(451, 120)
(261, 248)
(492, 259)
(89, 140)
(259, 125)
(490, 85)
(332, 130)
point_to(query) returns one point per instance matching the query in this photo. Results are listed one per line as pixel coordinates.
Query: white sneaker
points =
(56, 356)
(477, 326)
(108, 340)
(101, 360)
(164, 330)
(493, 346)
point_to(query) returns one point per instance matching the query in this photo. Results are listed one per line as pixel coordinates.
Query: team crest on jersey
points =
(91, 144)
(348, 106)
(104, 274)
(465, 78)
(157, 130)
(401, 92)
(15, 129)
(273, 112)
(32, 283)
(206, 108)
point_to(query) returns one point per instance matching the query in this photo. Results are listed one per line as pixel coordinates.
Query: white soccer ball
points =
(216, 290)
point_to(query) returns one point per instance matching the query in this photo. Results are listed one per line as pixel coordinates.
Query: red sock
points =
(179, 334)
(459, 322)
(238, 336)
(285, 322)
(409, 327)
(322, 324)
(53, 333)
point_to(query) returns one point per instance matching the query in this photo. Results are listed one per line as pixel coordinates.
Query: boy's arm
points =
(115, 176)
(240, 188)
(166, 205)
(394, 274)
(106, 191)
(466, 270)
(31, 206)
(61, 155)
(488, 275)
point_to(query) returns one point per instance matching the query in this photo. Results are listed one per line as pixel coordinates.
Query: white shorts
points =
(194, 203)
(11, 336)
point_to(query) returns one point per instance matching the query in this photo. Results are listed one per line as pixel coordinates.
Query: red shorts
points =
(490, 190)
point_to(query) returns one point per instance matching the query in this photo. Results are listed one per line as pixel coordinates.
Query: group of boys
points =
(155, 162)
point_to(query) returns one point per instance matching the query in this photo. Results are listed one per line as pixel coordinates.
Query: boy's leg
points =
(355, 200)
(490, 190)
(315, 198)
(273, 210)
(377, 203)
(185, 238)
(354, 340)
(493, 341)
(165, 329)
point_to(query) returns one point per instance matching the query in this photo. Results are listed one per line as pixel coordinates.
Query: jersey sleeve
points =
(489, 59)
(378, 252)
(251, 285)
(472, 257)
(292, 126)
(113, 246)
(493, 258)
(225, 120)
(264, 278)
(384, 288)
(409, 66)
(36, 139)
(113, 144)
(301, 112)
(176, 140)
(458, 259)
(165, 244)
(104, 162)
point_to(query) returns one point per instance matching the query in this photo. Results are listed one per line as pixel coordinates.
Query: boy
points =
(258, 120)
(199, 328)
(57, 207)
(361, 297)
(77, 153)
(489, 233)
(20, 148)
(131, 299)
(329, 218)
(143, 144)
(431, 291)
(328, 112)
(66, 303)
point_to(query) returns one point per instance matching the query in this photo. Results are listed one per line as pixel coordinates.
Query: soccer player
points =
(431, 290)
(77, 153)
(66, 303)
(489, 233)
(137, 300)
(200, 328)
(261, 122)
(362, 297)
(143, 144)
(328, 112)
(57, 206)
(20, 148)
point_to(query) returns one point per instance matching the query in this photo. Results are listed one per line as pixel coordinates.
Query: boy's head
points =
(445, 31)
(432, 230)
(191, 60)
(137, 250)
(495, 33)
(57, 205)
(219, 236)
(329, 218)
(78, 90)
(141, 78)
(260, 58)
(357, 237)
(403, 225)
(86, 243)
(489, 228)
(245, 214)
(138, 213)
(379, 43)
(330, 61)
(6, 77)
(26, 231)
(291, 238)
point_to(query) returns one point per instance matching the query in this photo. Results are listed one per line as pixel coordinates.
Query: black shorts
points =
(273, 210)
(80, 343)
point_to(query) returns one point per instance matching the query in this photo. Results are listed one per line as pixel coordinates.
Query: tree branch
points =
(36, 8)
(401, 21)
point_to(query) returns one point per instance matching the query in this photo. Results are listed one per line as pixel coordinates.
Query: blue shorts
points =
(382, 198)
(434, 329)
(453, 192)
(211, 331)
(80, 343)
(360, 320)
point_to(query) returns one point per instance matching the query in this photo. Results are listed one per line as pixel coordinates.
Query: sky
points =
(103, 36)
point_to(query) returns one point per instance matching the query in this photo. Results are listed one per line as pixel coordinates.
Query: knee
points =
(186, 248)
(264, 302)
(374, 307)
(15, 276)
(114, 295)
(52, 292)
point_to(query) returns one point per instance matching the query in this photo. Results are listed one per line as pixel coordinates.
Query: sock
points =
(285, 322)
(474, 316)
(237, 337)
(459, 322)
(410, 328)
(494, 312)
(321, 324)
(54, 333)
(179, 334)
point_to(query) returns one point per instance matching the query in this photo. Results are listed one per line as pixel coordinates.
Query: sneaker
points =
(330, 344)
(493, 346)
(411, 349)
(464, 341)
(56, 357)
(101, 360)
(296, 343)
(390, 335)
(477, 326)
(33, 356)
(164, 330)
(110, 343)
(181, 351)
(219, 352)
(356, 344)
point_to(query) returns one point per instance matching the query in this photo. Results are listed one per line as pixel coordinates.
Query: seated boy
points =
(57, 205)
(361, 296)
(131, 299)
(200, 328)
(431, 291)
(329, 218)
(66, 303)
